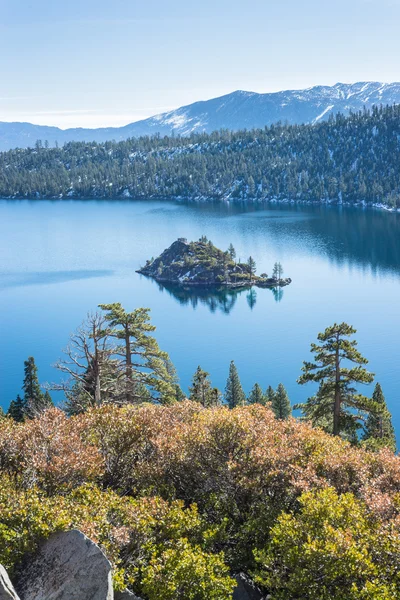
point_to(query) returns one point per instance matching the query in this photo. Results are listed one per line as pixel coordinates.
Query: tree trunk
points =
(96, 367)
(128, 369)
(336, 410)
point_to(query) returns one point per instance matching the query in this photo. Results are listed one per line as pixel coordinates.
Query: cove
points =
(59, 259)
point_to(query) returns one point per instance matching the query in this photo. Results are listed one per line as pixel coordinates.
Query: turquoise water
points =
(58, 260)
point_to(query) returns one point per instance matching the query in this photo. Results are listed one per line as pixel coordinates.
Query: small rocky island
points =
(202, 264)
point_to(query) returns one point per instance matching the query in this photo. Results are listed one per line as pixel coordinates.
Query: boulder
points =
(7, 591)
(67, 566)
(126, 595)
(246, 589)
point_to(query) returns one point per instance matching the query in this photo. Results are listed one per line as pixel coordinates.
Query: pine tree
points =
(215, 397)
(269, 394)
(232, 252)
(31, 385)
(281, 403)
(378, 429)
(16, 410)
(277, 271)
(234, 394)
(34, 399)
(179, 395)
(141, 359)
(201, 390)
(256, 395)
(48, 400)
(251, 265)
(337, 401)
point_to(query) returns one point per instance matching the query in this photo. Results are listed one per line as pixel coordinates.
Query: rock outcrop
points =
(7, 591)
(126, 595)
(246, 589)
(67, 566)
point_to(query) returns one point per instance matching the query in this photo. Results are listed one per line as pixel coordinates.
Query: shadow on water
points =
(11, 280)
(361, 237)
(216, 300)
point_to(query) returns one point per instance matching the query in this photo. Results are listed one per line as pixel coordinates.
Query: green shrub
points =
(186, 572)
(133, 533)
(331, 550)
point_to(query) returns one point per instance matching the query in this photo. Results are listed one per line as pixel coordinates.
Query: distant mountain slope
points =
(238, 110)
(346, 159)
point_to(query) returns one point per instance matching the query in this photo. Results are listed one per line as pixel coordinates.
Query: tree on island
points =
(256, 395)
(281, 404)
(251, 265)
(234, 394)
(142, 361)
(378, 429)
(337, 404)
(201, 390)
(277, 272)
(232, 252)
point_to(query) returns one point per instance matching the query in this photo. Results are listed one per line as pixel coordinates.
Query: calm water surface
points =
(58, 260)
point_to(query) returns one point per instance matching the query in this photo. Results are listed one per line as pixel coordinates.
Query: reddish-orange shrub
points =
(50, 452)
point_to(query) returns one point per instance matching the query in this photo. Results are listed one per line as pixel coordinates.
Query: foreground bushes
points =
(165, 490)
(141, 537)
(333, 544)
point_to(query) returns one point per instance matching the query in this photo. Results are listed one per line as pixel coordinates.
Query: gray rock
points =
(7, 591)
(246, 589)
(126, 595)
(67, 566)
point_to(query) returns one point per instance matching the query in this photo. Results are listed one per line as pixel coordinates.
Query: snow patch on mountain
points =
(235, 111)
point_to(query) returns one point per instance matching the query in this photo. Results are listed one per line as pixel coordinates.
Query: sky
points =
(93, 63)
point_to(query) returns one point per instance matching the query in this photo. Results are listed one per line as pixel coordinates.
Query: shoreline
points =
(268, 283)
(204, 200)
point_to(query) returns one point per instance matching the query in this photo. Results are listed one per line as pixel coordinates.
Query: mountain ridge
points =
(235, 111)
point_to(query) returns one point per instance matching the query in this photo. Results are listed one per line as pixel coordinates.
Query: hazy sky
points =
(109, 62)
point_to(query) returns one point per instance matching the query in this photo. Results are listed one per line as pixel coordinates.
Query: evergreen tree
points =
(31, 384)
(16, 410)
(251, 265)
(269, 394)
(142, 361)
(48, 400)
(34, 399)
(378, 429)
(277, 271)
(337, 401)
(232, 252)
(256, 395)
(201, 390)
(281, 403)
(179, 395)
(216, 397)
(234, 394)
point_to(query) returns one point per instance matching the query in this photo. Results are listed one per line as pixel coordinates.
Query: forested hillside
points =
(346, 159)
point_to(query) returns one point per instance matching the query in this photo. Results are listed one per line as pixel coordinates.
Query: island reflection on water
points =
(220, 299)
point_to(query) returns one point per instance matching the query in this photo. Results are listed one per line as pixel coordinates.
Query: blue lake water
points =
(58, 260)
